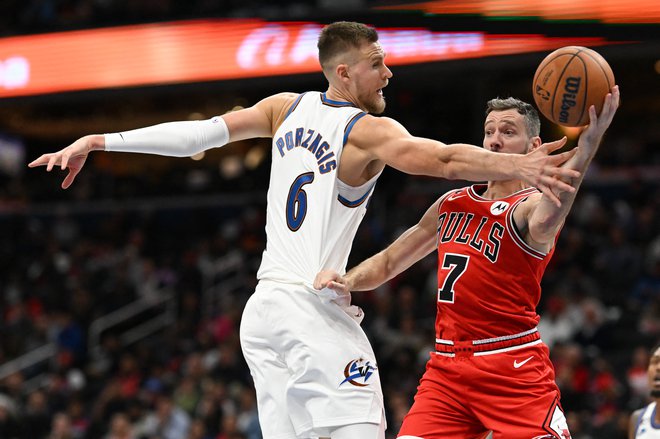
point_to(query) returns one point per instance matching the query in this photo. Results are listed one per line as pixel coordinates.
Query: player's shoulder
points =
(283, 99)
(637, 413)
(286, 95)
(277, 106)
(634, 419)
(371, 121)
(374, 130)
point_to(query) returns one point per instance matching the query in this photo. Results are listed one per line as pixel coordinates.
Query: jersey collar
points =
(332, 103)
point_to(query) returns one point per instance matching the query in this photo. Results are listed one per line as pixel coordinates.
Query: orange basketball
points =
(568, 82)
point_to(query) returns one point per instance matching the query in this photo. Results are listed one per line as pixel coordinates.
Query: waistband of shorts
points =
(487, 346)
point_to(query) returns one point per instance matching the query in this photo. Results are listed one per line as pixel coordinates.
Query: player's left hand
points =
(334, 287)
(598, 123)
(543, 171)
(332, 280)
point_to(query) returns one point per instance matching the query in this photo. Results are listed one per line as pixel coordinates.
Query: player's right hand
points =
(72, 157)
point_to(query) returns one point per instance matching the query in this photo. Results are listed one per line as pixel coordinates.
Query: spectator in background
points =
(198, 430)
(557, 324)
(166, 421)
(9, 426)
(36, 417)
(61, 427)
(121, 427)
(645, 422)
(637, 376)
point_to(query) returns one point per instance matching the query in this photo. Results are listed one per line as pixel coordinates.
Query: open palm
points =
(72, 157)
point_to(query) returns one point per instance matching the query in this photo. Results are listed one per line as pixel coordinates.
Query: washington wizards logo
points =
(499, 207)
(358, 372)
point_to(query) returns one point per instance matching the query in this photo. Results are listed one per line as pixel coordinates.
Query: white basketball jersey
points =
(311, 216)
(646, 426)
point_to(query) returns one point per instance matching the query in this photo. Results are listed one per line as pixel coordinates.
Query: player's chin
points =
(377, 106)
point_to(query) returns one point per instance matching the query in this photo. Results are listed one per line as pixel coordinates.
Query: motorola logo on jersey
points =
(499, 207)
(357, 372)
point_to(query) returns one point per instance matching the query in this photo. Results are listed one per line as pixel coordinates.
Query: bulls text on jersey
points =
(485, 239)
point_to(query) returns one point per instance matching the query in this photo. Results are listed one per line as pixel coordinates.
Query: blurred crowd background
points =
(121, 297)
(27, 16)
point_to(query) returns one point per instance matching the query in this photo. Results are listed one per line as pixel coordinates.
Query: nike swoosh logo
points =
(455, 196)
(517, 365)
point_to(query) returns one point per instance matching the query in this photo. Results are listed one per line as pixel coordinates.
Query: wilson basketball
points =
(568, 81)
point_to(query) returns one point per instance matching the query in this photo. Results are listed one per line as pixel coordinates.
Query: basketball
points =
(568, 81)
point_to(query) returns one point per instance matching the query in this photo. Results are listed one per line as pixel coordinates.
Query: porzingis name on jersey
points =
(486, 238)
(310, 141)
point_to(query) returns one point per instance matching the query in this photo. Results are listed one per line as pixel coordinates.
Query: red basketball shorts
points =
(511, 393)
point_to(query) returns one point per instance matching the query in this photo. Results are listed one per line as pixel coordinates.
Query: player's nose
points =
(388, 73)
(494, 145)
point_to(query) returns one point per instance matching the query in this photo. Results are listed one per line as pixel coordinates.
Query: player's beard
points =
(376, 106)
(655, 393)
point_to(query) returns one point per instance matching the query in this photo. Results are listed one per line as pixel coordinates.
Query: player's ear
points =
(342, 71)
(535, 143)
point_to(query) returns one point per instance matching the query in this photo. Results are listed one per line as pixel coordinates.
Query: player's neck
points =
(502, 189)
(336, 94)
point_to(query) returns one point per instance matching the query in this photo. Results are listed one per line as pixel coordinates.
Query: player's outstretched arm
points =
(174, 139)
(388, 141)
(410, 247)
(545, 218)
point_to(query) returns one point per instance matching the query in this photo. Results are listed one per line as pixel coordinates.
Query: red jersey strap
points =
(515, 233)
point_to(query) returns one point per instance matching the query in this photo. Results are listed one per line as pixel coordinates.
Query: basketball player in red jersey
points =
(490, 370)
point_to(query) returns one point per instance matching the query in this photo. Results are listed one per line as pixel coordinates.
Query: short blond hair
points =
(343, 36)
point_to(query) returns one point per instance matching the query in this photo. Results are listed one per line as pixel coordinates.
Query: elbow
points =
(450, 171)
(544, 231)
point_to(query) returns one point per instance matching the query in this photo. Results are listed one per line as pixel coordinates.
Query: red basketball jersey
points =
(488, 277)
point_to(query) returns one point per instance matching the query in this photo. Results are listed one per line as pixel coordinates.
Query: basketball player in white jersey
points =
(645, 422)
(314, 370)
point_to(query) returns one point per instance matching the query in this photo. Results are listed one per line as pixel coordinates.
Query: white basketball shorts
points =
(312, 364)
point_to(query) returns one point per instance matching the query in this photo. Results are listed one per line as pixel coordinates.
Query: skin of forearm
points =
(547, 215)
(369, 274)
(469, 162)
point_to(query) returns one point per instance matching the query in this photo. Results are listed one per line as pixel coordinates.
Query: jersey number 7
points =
(456, 264)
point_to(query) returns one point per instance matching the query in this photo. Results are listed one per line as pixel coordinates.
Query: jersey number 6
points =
(296, 202)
